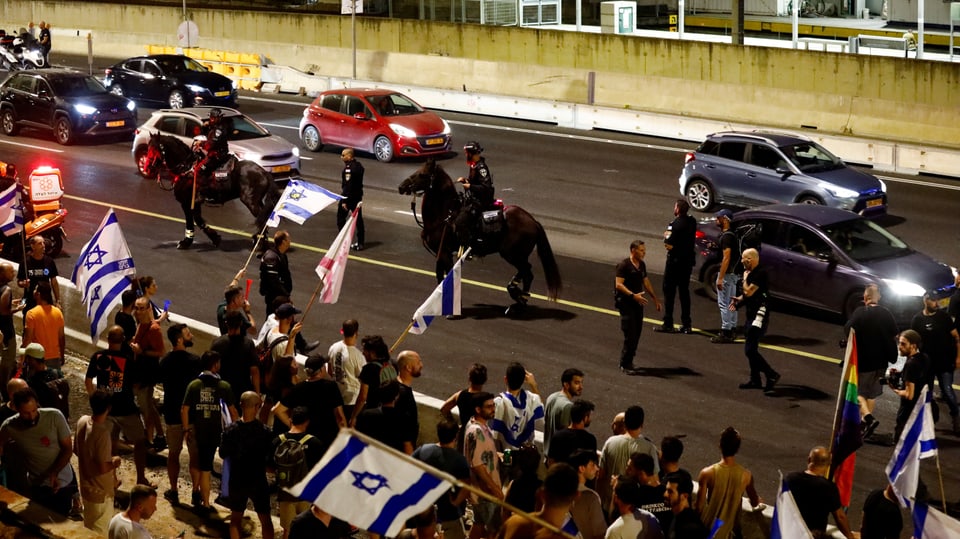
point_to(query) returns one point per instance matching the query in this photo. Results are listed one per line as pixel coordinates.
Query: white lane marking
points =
(602, 140)
(921, 183)
(32, 146)
(570, 136)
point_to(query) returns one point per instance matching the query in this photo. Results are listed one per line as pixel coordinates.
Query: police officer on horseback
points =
(478, 193)
(216, 148)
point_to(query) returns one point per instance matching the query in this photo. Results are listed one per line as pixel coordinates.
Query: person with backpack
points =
(247, 443)
(295, 453)
(202, 419)
(730, 268)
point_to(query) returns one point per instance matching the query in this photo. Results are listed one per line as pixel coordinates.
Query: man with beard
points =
(47, 446)
(480, 450)
(558, 405)
(941, 343)
(566, 441)
(177, 369)
(38, 267)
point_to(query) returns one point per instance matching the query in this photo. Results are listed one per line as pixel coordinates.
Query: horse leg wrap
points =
(187, 240)
(213, 235)
(516, 293)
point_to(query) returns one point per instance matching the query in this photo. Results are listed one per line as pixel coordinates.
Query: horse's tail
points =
(550, 269)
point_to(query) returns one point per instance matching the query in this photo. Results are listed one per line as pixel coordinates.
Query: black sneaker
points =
(871, 427)
(686, 330)
(628, 369)
(664, 329)
(172, 496)
(195, 498)
(771, 382)
(751, 384)
(159, 443)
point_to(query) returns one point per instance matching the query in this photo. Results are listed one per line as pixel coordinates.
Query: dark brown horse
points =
(246, 180)
(441, 204)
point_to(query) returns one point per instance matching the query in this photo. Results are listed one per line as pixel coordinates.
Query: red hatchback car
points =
(382, 122)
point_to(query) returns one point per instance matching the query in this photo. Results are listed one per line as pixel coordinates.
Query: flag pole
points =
(313, 298)
(255, 245)
(943, 496)
(193, 196)
(402, 337)
(456, 482)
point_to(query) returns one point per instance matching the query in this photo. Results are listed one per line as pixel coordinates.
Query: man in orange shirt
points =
(44, 324)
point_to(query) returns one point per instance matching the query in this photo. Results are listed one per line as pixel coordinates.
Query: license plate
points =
(117, 123)
(282, 168)
(222, 94)
(875, 202)
(433, 141)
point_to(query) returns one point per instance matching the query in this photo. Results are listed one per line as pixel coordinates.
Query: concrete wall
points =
(864, 96)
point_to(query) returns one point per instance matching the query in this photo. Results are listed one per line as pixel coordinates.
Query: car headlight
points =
(196, 89)
(403, 131)
(131, 106)
(233, 83)
(446, 128)
(904, 288)
(85, 109)
(839, 192)
(248, 156)
(953, 270)
(883, 185)
(296, 151)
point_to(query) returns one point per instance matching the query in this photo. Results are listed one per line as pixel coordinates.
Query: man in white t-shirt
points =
(344, 367)
(633, 522)
(126, 525)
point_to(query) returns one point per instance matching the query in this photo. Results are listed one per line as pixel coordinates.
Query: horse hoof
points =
(516, 308)
(185, 243)
(214, 237)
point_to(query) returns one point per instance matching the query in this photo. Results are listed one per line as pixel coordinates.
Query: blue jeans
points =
(945, 379)
(728, 318)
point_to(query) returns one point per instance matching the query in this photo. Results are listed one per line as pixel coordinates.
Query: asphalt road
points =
(594, 192)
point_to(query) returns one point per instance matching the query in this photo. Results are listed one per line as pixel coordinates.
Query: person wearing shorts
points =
(248, 444)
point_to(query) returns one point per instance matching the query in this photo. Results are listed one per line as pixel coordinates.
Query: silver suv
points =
(249, 139)
(758, 168)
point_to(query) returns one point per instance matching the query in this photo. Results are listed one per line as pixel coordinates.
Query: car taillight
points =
(689, 157)
(700, 235)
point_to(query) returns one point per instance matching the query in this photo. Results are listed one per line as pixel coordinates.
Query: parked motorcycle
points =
(29, 51)
(43, 213)
(8, 60)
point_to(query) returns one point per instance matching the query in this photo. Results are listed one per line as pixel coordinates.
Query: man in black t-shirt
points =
(385, 423)
(817, 497)
(289, 505)
(177, 369)
(727, 275)
(39, 268)
(915, 375)
(565, 442)
(678, 239)
(247, 444)
(239, 364)
(445, 457)
(632, 289)
(940, 341)
(881, 515)
(113, 369)
(756, 287)
(321, 396)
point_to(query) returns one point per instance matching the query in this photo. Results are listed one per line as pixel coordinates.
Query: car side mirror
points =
(783, 172)
(43, 94)
(827, 256)
(360, 116)
(149, 76)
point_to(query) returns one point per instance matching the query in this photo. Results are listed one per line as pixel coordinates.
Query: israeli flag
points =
(103, 271)
(11, 211)
(373, 488)
(300, 201)
(928, 523)
(445, 300)
(918, 441)
(787, 522)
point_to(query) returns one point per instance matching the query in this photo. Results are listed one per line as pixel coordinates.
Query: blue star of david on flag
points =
(396, 488)
(300, 201)
(94, 257)
(369, 482)
(11, 210)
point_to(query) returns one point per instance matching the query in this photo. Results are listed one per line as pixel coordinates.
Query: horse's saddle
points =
(492, 223)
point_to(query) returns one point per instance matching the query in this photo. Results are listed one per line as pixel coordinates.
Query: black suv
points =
(69, 103)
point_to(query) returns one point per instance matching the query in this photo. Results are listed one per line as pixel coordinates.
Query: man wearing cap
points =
(321, 397)
(727, 276)
(39, 378)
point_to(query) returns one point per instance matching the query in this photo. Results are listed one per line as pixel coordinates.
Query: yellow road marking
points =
(480, 284)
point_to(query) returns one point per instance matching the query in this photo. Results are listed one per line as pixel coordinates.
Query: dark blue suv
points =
(758, 168)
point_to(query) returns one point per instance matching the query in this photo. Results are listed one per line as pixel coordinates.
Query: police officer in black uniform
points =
(678, 239)
(351, 189)
(478, 192)
(217, 149)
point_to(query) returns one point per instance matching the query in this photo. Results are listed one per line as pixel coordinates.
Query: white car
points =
(249, 140)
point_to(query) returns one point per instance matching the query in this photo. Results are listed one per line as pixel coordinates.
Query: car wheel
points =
(53, 242)
(311, 139)
(383, 149)
(9, 122)
(709, 282)
(176, 99)
(116, 89)
(63, 131)
(810, 199)
(700, 195)
(140, 156)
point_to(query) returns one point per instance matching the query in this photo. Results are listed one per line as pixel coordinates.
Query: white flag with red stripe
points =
(334, 262)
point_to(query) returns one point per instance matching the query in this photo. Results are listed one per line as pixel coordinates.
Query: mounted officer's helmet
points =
(473, 147)
(216, 114)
